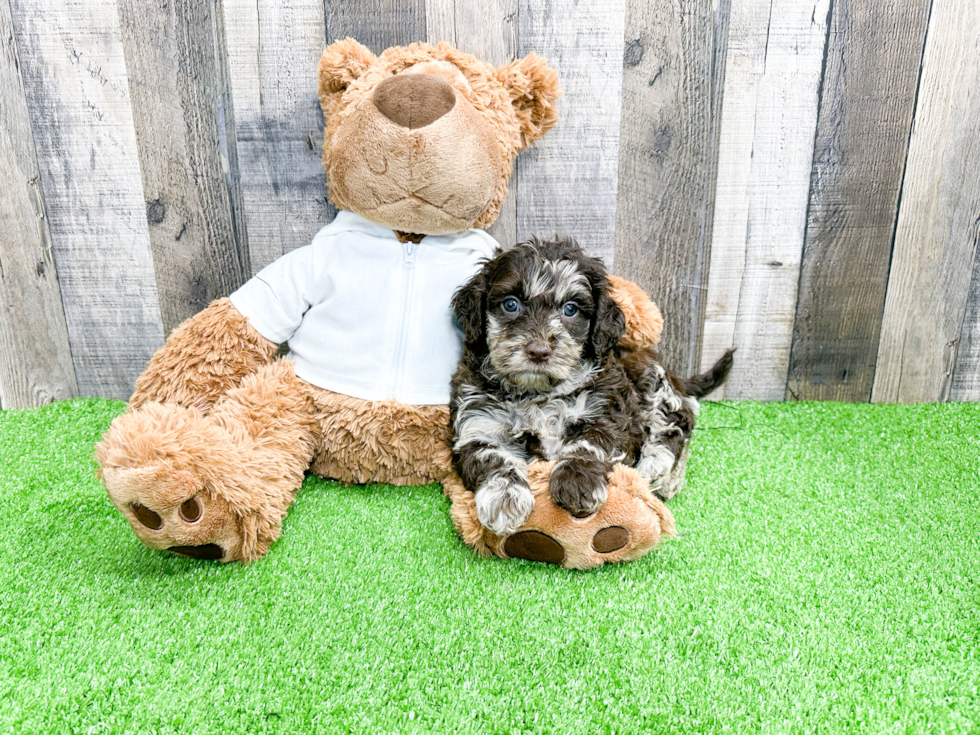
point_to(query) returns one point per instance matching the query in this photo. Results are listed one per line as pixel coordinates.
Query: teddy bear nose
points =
(414, 100)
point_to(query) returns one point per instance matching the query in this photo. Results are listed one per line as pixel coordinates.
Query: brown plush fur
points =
(205, 357)
(644, 322)
(380, 441)
(630, 506)
(217, 424)
(243, 462)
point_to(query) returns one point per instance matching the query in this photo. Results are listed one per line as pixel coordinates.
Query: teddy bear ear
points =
(534, 89)
(341, 63)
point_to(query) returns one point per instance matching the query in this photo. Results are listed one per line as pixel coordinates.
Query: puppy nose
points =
(538, 351)
(414, 100)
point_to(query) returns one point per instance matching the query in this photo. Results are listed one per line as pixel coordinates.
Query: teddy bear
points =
(419, 144)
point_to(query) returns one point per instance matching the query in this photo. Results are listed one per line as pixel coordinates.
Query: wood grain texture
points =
(377, 24)
(775, 56)
(199, 251)
(939, 217)
(872, 72)
(273, 48)
(35, 359)
(75, 83)
(966, 371)
(667, 156)
(567, 181)
(488, 30)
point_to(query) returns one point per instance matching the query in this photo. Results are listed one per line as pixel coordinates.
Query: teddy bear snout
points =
(414, 100)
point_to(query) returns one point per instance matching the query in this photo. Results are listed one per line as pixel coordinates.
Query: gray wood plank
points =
(939, 217)
(966, 371)
(74, 77)
(488, 30)
(567, 181)
(174, 75)
(35, 359)
(872, 72)
(769, 115)
(377, 24)
(667, 158)
(273, 47)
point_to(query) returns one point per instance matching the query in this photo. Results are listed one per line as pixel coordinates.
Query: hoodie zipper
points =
(397, 382)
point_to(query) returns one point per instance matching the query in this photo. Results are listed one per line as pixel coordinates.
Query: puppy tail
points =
(701, 385)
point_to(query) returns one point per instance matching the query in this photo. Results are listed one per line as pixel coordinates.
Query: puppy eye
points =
(569, 309)
(511, 305)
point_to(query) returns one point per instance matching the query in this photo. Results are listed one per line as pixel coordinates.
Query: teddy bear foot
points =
(629, 524)
(152, 480)
(169, 510)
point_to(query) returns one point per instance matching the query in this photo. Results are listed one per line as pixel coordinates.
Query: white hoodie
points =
(364, 314)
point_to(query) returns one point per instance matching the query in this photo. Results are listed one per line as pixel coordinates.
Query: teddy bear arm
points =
(203, 359)
(644, 322)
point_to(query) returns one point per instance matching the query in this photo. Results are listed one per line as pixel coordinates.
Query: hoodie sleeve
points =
(275, 300)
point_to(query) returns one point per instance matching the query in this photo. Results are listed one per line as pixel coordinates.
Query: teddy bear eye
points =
(569, 309)
(511, 305)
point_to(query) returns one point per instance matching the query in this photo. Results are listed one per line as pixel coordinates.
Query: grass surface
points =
(825, 580)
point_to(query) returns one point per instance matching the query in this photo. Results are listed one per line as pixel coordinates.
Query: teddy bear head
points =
(422, 138)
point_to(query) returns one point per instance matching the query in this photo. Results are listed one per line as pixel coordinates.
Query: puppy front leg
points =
(578, 480)
(498, 477)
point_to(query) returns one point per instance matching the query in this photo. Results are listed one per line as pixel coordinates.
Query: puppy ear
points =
(608, 325)
(533, 87)
(341, 63)
(470, 306)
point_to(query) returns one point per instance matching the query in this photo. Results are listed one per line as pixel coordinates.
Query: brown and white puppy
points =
(541, 377)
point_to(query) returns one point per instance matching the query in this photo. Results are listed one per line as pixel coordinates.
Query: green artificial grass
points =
(826, 579)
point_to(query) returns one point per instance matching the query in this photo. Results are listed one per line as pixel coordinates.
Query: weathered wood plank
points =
(775, 55)
(666, 159)
(377, 24)
(198, 247)
(568, 179)
(939, 217)
(273, 48)
(488, 30)
(966, 371)
(75, 83)
(35, 360)
(868, 98)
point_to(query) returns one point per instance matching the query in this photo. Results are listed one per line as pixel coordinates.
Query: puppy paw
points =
(503, 505)
(656, 462)
(578, 486)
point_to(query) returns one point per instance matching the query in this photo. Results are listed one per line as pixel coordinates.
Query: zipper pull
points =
(410, 249)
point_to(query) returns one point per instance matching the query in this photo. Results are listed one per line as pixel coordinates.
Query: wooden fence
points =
(799, 178)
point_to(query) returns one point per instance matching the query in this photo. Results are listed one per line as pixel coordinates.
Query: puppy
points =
(541, 377)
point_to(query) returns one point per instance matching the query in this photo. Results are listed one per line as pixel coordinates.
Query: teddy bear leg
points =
(380, 441)
(213, 486)
(203, 359)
